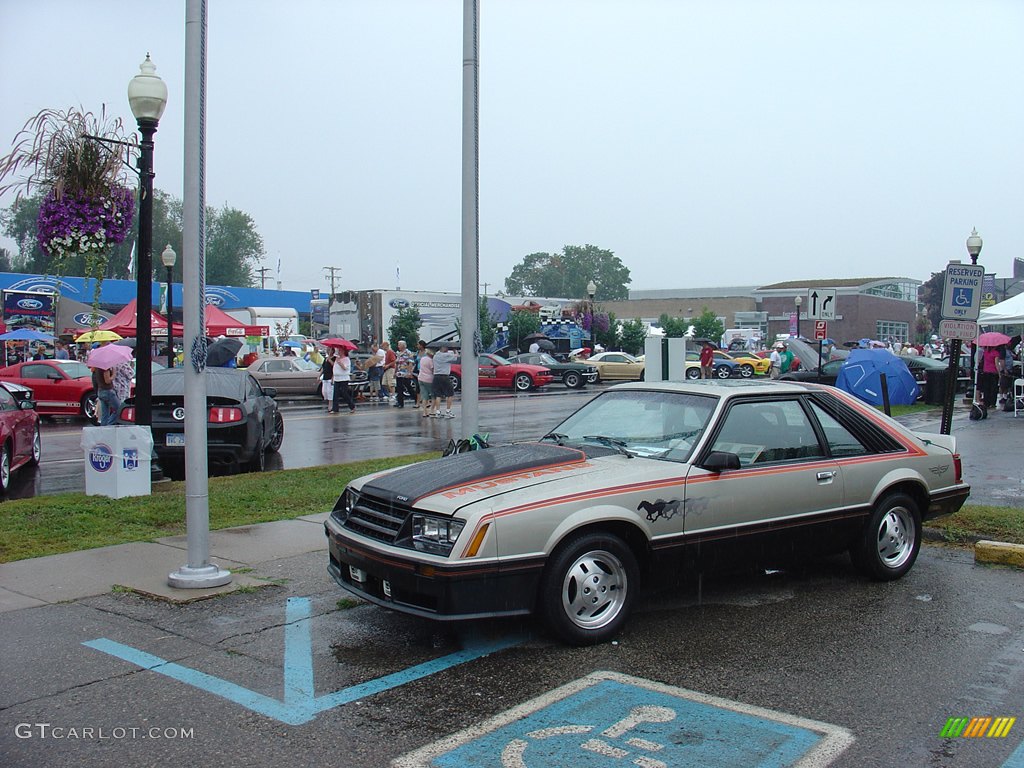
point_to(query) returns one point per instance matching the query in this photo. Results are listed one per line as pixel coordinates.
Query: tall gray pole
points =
(198, 573)
(470, 333)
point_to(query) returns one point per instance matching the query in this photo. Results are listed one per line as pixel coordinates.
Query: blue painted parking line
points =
(607, 719)
(300, 704)
(1016, 759)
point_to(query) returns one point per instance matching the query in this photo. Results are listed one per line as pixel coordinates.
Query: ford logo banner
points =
(398, 303)
(30, 304)
(84, 319)
(214, 299)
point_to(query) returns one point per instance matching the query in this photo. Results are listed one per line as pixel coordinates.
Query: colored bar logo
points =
(977, 727)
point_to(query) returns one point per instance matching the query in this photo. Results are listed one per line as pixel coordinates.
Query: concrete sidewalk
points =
(143, 566)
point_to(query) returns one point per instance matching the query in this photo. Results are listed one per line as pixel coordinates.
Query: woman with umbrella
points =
(993, 362)
(104, 361)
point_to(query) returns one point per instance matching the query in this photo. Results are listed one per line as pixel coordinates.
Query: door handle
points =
(825, 476)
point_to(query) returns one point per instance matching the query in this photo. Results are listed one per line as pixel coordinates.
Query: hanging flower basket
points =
(76, 223)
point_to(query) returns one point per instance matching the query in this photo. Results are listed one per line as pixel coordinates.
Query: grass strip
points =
(68, 522)
(978, 521)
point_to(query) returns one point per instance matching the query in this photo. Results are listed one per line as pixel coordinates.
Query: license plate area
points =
(174, 440)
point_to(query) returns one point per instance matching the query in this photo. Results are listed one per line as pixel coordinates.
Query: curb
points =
(999, 552)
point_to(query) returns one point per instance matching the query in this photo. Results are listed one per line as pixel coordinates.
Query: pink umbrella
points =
(342, 343)
(109, 356)
(993, 339)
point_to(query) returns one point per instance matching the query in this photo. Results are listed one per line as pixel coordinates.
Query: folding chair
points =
(1018, 396)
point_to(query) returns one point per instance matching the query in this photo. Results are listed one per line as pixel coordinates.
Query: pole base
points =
(199, 578)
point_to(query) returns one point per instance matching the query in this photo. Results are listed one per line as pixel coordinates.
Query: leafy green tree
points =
(930, 297)
(5, 260)
(233, 247)
(405, 325)
(567, 274)
(633, 333)
(486, 323)
(707, 326)
(522, 324)
(674, 327)
(609, 337)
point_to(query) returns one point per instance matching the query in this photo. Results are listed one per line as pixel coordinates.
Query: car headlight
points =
(436, 535)
(345, 504)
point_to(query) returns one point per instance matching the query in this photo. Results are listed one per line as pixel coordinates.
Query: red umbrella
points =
(342, 343)
(993, 339)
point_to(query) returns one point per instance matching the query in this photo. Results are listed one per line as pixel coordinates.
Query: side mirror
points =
(27, 405)
(717, 461)
(270, 391)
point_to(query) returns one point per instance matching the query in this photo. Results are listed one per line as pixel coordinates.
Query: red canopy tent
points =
(220, 323)
(125, 322)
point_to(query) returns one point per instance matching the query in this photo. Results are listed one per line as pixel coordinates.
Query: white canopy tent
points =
(1009, 312)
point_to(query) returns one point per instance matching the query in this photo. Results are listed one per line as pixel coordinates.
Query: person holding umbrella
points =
(342, 371)
(103, 361)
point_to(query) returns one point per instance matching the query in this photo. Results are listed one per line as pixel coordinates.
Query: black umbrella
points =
(126, 343)
(221, 351)
(546, 344)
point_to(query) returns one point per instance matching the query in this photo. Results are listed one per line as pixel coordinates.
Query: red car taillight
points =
(128, 413)
(225, 415)
(958, 468)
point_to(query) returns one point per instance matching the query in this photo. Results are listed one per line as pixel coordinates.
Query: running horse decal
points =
(661, 509)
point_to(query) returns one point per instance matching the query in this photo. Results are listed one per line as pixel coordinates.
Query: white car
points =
(643, 475)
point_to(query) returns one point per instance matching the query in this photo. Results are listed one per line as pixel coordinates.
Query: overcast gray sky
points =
(706, 143)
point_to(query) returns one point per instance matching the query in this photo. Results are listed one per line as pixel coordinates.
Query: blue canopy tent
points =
(861, 377)
(24, 334)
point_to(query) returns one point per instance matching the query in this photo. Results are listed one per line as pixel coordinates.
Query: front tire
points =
(572, 380)
(275, 442)
(523, 382)
(723, 372)
(5, 467)
(456, 382)
(37, 448)
(588, 588)
(693, 373)
(891, 540)
(91, 407)
(746, 371)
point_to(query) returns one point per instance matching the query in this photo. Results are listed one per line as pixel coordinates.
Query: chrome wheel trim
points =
(523, 382)
(594, 589)
(37, 445)
(896, 535)
(5, 468)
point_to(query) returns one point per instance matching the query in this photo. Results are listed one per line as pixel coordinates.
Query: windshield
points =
(547, 359)
(305, 365)
(74, 369)
(658, 425)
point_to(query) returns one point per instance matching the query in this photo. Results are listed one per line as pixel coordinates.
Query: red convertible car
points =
(59, 387)
(500, 373)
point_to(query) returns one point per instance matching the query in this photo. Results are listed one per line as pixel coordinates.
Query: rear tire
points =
(723, 372)
(693, 373)
(572, 380)
(588, 588)
(746, 370)
(275, 442)
(91, 407)
(891, 539)
(456, 382)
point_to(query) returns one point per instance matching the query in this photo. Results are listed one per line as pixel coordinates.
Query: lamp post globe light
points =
(974, 244)
(799, 300)
(168, 257)
(147, 96)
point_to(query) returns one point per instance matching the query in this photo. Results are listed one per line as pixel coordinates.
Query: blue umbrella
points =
(290, 343)
(24, 334)
(861, 377)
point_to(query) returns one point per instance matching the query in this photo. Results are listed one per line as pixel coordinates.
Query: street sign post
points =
(965, 330)
(961, 298)
(821, 304)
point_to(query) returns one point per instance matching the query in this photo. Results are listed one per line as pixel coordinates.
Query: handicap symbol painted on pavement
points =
(608, 720)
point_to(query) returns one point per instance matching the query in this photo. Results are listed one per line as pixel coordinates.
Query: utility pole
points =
(332, 270)
(263, 276)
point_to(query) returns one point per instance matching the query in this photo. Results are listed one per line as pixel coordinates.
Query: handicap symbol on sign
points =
(962, 297)
(610, 720)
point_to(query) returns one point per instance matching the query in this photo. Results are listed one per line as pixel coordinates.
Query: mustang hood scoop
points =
(410, 484)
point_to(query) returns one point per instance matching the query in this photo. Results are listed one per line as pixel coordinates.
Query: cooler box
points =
(117, 461)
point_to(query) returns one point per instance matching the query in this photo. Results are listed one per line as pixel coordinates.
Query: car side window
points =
(841, 441)
(768, 432)
(255, 390)
(7, 401)
(36, 371)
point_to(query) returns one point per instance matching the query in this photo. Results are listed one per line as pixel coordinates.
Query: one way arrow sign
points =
(821, 304)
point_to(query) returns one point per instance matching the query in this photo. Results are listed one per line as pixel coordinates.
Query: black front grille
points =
(377, 518)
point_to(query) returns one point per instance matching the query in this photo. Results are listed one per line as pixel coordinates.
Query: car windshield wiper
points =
(558, 437)
(611, 442)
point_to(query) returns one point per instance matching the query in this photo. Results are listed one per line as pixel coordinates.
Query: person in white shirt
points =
(534, 347)
(442, 382)
(776, 359)
(342, 376)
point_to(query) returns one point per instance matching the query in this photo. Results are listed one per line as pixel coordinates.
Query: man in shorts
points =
(375, 371)
(443, 382)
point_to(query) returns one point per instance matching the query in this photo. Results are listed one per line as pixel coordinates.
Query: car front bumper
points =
(395, 578)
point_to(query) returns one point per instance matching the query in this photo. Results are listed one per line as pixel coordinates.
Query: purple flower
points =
(75, 223)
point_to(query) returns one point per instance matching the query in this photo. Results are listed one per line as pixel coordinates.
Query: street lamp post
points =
(591, 290)
(168, 257)
(799, 300)
(974, 244)
(147, 96)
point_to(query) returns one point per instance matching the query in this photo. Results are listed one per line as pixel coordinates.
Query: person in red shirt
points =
(707, 360)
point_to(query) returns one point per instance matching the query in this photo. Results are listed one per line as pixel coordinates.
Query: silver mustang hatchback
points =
(641, 477)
